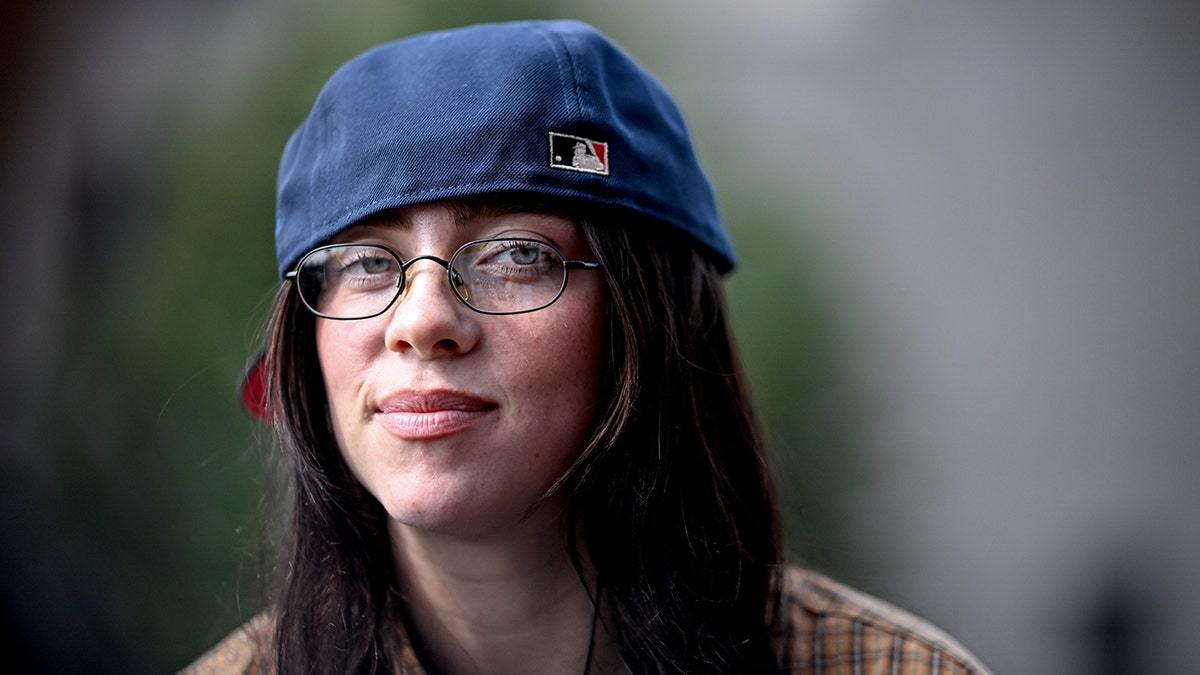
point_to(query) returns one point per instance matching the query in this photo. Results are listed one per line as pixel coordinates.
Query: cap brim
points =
(254, 391)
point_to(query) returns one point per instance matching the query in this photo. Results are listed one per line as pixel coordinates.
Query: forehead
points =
(470, 219)
(467, 211)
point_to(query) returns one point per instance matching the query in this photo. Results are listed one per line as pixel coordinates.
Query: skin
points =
(458, 422)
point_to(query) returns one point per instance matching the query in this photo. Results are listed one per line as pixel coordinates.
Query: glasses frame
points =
(402, 281)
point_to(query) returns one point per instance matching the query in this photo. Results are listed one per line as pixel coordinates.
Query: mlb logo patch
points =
(575, 153)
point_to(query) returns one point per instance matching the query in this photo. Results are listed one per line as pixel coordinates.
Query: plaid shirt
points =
(825, 628)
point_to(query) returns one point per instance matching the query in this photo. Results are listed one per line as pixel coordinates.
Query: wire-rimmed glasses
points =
(491, 276)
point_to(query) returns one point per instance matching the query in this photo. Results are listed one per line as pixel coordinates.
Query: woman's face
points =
(454, 420)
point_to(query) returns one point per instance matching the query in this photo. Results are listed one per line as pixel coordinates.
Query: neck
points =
(509, 602)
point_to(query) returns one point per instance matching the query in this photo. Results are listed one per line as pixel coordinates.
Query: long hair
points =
(671, 496)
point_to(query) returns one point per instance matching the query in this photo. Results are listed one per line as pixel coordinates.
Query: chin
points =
(463, 518)
(446, 517)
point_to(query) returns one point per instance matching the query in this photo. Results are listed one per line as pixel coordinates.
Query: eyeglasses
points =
(491, 276)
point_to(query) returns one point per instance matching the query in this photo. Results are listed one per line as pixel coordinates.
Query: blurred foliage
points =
(163, 486)
(787, 330)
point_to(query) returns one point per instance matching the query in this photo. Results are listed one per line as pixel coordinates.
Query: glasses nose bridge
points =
(407, 264)
(412, 261)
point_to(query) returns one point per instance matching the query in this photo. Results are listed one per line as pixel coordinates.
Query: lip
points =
(428, 414)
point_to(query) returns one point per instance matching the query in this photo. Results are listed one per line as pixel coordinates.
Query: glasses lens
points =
(350, 281)
(508, 275)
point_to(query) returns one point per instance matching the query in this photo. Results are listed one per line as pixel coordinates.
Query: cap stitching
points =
(565, 61)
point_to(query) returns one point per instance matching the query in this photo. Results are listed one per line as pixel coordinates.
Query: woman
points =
(501, 371)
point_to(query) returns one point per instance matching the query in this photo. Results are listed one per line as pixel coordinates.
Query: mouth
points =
(425, 415)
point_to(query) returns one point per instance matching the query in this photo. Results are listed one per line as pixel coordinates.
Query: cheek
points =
(345, 345)
(568, 359)
(344, 350)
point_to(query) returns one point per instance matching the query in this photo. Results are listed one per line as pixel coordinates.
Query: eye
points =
(375, 264)
(523, 253)
(365, 270)
(508, 260)
(521, 257)
(365, 263)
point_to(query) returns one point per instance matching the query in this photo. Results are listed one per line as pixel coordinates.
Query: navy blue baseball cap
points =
(549, 108)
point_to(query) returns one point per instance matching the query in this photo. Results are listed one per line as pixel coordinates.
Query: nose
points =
(428, 320)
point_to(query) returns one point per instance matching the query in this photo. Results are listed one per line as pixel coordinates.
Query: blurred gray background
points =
(970, 243)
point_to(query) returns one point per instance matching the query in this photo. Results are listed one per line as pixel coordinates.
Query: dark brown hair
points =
(671, 497)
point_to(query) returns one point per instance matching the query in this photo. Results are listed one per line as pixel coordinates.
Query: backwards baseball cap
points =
(546, 108)
(549, 108)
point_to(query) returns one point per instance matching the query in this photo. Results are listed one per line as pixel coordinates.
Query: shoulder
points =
(240, 653)
(828, 628)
